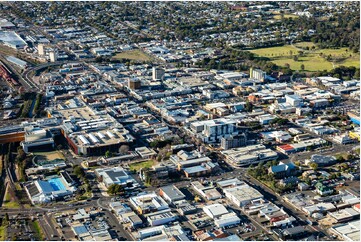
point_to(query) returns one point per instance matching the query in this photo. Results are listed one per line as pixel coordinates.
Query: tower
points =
(158, 73)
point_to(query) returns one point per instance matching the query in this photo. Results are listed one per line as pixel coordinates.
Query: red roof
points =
(286, 147)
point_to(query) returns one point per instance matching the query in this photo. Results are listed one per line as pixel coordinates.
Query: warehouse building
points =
(242, 195)
(171, 193)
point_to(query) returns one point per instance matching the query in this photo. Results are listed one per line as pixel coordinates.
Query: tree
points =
(249, 106)
(5, 221)
(108, 154)
(79, 172)
(114, 189)
(302, 67)
(313, 166)
(295, 58)
(123, 149)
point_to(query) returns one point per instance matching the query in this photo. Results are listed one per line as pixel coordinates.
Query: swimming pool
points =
(56, 184)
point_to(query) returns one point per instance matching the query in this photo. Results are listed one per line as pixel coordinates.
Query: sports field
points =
(313, 59)
(132, 55)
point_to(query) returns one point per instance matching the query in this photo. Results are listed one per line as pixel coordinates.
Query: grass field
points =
(312, 59)
(37, 229)
(139, 165)
(278, 16)
(3, 233)
(132, 55)
(8, 201)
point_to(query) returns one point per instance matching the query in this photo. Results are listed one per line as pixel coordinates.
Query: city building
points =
(252, 154)
(51, 188)
(211, 131)
(161, 217)
(157, 73)
(242, 195)
(257, 74)
(208, 192)
(37, 139)
(171, 193)
(89, 131)
(134, 83)
(148, 203)
(116, 175)
(347, 231)
(234, 141)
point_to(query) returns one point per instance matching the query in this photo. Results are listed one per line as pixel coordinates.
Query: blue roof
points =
(80, 230)
(279, 168)
(283, 167)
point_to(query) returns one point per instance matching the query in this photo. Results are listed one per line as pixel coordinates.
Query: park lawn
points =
(311, 62)
(132, 55)
(280, 55)
(3, 233)
(37, 230)
(274, 51)
(278, 16)
(11, 204)
(144, 164)
(304, 44)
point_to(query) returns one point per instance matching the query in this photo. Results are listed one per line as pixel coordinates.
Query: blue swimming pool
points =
(56, 184)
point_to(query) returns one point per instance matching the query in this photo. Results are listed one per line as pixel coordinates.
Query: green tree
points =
(108, 154)
(302, 67)
(79, 172)
(313, 166)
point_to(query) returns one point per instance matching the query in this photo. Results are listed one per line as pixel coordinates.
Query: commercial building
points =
(207, 192)
(215, 210)
(12, 39)
(345, 215)
(211, 131)
(161, 217)
(89, 131)
(294, 100)
(248, 155)
(134, 84)
(242, 195)
(162, 232)
(37, 139)
(234, 141)
(157, 73)
(229, 183)
(171, 193)
(116, 175)
(257, 74)
(347, 231)
(222, 217)
(147, 203)
(16, 61)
